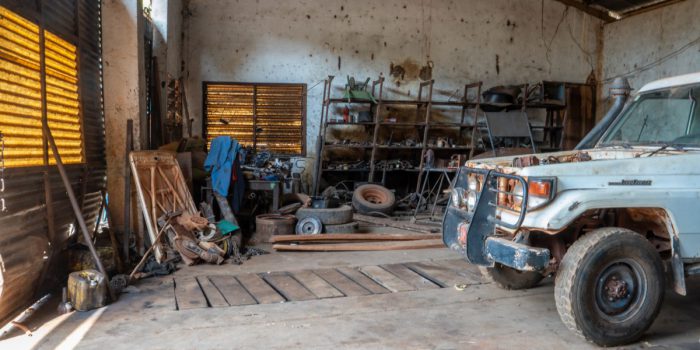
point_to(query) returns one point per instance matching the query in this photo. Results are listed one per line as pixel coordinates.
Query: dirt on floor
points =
(424, 312)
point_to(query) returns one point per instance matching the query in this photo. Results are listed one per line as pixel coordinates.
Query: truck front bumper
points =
(516, 255)
(472, 232)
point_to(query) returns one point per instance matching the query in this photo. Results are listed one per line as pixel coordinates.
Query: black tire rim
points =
(620, 290)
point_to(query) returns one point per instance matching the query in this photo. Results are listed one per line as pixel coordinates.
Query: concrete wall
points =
(124, 92)
(496, 41)
(653, 45)
(167, 44)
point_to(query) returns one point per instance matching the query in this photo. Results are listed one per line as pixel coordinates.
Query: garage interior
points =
(275, 174)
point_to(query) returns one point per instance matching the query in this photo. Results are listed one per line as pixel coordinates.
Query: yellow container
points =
(87, 290)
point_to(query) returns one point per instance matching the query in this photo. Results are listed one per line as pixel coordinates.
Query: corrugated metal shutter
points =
(20, 91)
(62, 100)
(25, 226)
(276, 111)
(280, 118)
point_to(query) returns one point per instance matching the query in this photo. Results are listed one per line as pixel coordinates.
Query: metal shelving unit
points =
(424, 108)
(471, 112)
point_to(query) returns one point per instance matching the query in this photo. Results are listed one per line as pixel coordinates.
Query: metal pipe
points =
(18, 322)
(76, 208)
(620, 91)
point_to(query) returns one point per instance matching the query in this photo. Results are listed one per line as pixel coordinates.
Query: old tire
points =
(350, 227)
(328, 216)
(509, 278)
(368, 199)
(610, 286)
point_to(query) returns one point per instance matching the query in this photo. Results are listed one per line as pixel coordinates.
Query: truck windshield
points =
(663, 117)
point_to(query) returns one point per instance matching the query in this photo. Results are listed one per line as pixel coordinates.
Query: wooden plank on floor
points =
(367, 246)
(316, 284)
(188, 294)
(342, 283)
(286, 285)
(233, 291)
(259, 289)
(386, 279)
(360, 278)
(444, 276)
(212, 294)
(410, 277)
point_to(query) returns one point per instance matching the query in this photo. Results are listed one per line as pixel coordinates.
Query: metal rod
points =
(148, 252)
(127, 189)
(17, 322)
(375, 136)
(76, 208)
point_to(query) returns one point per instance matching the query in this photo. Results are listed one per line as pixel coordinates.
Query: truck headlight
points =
(471, 200)
(473, 183)
(540, 191)
(457, 197)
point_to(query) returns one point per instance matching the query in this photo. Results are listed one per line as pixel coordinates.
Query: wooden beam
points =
(335, 237)
(369, 246)
(603, 15)
(645, 9)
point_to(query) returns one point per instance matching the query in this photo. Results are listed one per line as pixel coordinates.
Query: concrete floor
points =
(481, 316)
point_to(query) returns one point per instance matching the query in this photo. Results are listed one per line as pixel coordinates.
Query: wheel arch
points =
(655, 223)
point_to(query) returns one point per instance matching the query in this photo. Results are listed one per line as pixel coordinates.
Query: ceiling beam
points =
(653, 7)
(603, 15)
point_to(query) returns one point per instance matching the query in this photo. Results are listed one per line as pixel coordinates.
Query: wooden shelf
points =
(331, 145)
(401, 102)
(351, 123)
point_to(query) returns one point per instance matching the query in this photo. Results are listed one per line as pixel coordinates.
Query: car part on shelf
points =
(309, 226)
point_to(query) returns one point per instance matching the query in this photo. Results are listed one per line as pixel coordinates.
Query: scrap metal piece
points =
(309, 226)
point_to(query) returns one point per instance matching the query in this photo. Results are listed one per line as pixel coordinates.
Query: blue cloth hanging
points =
(219, 162)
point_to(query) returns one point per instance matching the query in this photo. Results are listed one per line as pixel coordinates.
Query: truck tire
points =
(367, 199)
(610, 286)
(328, 216)
(350, 227)
(509, 278)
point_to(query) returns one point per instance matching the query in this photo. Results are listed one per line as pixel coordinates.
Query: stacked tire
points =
(373, 199)
(332, 220)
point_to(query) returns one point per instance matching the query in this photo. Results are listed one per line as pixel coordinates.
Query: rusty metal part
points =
(526, 161)
(268, 225)
(616, 289)
(18, 322)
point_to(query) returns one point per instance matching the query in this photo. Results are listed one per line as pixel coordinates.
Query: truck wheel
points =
(609, 286)
(509, 278)
(367, 199)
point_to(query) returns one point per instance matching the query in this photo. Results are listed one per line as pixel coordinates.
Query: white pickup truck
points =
(609, 219)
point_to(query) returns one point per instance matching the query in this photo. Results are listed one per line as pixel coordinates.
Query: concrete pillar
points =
(124, 94)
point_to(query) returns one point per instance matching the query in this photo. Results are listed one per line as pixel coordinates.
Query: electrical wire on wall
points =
(657, 62)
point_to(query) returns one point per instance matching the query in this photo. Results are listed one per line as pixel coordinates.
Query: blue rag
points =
(219, 162)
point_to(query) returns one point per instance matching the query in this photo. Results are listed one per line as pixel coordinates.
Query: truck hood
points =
(594, 162)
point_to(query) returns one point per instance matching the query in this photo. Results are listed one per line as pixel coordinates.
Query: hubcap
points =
(620, 290)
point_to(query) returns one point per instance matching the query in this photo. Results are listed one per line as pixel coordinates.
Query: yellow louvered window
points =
(21, 101)
(267, 117)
